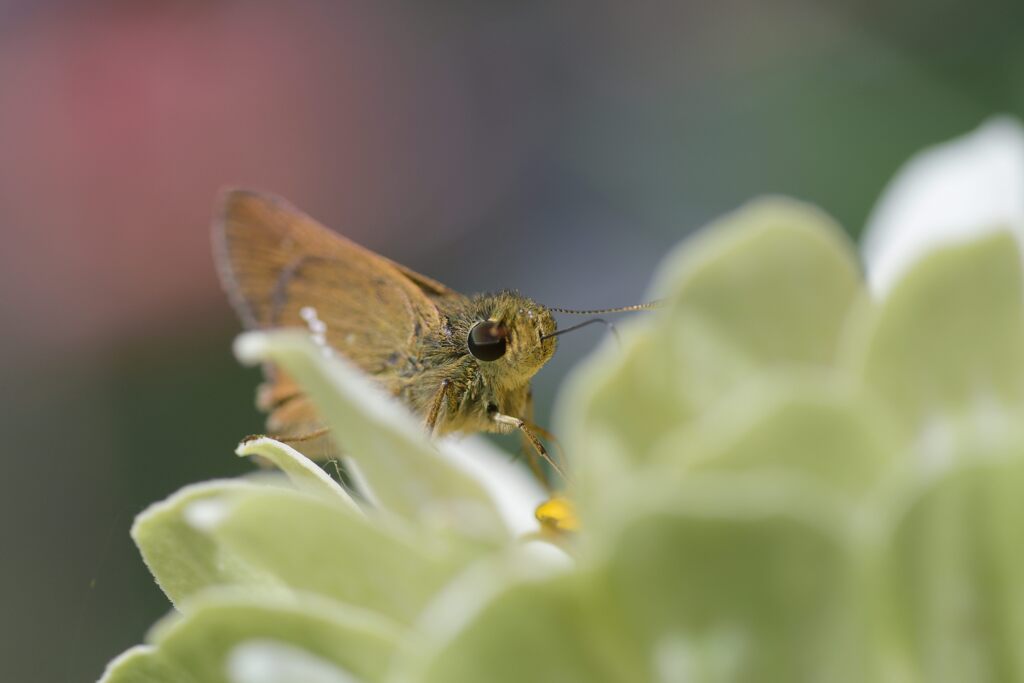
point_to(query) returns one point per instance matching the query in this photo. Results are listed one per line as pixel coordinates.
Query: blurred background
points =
(557, 148)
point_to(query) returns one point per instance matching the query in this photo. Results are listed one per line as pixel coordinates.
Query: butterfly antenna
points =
(602, 311)
(611, 328)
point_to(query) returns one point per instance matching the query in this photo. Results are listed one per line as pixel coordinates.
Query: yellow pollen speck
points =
(557, 514)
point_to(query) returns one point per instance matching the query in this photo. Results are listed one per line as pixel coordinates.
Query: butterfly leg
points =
(436, 404)
(557, 513)
(540, 431)
(307, 436)
(537, 453)
(293, 420)
(529, 442)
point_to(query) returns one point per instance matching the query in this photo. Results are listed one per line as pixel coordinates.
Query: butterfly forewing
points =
(283, 269)
(280, 266)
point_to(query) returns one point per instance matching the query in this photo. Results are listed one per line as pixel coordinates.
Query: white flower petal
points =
(206, 514)
(950, 193)
(271, 661)
(515, 492)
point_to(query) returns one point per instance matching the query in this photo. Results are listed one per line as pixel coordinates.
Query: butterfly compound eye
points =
(487, 340)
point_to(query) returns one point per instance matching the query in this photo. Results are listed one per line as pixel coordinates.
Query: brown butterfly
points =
(462, 363)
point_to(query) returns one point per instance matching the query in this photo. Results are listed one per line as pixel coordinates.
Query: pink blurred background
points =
(122, 120)
(558, 148)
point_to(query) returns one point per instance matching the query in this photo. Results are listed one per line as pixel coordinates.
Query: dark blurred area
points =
(557, 148)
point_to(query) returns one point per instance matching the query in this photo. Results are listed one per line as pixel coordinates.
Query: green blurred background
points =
(557, 148)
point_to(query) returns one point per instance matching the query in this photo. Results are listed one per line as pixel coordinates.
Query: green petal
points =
(310, 544)
(404, 471)
(733, 582)
(808, 427)
(552, 631)
(950, 336)
(776, 279)
(629, 395)
(740, 591)
(767, 289)
(956, 562)
(301, 471)
(144, 664)
(233, 639)
(173, 538)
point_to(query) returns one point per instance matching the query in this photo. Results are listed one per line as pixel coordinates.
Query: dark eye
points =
(487, 340)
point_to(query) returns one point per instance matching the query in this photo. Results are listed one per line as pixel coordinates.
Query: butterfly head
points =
(508, 338)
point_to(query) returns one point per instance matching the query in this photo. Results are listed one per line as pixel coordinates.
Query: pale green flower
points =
(781, 475)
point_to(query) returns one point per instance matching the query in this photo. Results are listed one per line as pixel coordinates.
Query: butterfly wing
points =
(281, 268)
